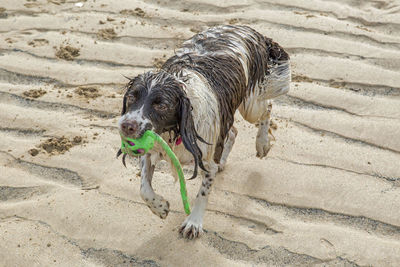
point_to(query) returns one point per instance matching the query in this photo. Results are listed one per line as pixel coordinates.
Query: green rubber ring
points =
(141, 146)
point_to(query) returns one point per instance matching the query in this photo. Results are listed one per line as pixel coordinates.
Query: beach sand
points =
(327, 194)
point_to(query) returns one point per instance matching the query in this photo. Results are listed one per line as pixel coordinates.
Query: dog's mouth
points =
(128, 148)
(138, 151)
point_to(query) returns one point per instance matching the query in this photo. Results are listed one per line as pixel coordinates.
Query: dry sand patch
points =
(67, 52)
(34, 93)
(88, 91)
(56, 145)
(107, 34)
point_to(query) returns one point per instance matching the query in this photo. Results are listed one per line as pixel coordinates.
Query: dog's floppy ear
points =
(189, 135)
(123, 106)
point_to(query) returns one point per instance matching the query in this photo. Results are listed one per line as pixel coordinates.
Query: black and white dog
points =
(192, 100)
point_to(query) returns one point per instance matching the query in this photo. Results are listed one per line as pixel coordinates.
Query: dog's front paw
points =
(191, 229)
(159, 206)
(263, 146)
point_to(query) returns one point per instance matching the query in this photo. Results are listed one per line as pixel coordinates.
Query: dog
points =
(191, 102)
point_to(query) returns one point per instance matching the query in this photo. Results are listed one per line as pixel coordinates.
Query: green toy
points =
(139, 147)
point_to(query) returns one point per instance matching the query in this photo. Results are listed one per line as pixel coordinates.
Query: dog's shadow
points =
(254, 181)
(251, 191)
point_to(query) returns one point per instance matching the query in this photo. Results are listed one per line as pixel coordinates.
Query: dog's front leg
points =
(157, 204)
(192, 227)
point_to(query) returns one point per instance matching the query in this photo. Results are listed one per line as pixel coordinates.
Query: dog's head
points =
(157, 102)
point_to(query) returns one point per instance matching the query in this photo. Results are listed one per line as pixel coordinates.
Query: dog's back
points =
(235, 59)
(244, 68)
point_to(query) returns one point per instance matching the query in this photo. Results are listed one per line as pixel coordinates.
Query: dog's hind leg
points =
(230, 140)
(157, 204)
(192, 227)
(256, 108)
(263, 144)
(258, 112)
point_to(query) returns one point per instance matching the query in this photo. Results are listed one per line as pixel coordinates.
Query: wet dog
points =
(191, 103)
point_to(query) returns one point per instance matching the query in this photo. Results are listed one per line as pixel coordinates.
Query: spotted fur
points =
(195, 96)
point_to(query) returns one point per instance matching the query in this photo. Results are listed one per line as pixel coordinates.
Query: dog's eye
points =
(159, 106)
(132, 97)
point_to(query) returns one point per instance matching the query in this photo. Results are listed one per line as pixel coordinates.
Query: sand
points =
(328, 194)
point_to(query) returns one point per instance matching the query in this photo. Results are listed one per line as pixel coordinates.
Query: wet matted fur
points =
(194, 98)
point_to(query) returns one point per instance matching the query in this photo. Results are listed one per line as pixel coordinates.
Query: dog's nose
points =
(129, 128)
